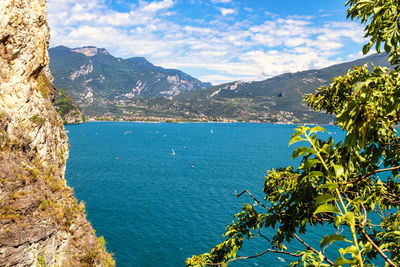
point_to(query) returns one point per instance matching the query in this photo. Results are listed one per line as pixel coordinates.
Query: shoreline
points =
(199, 120)
(210, 122)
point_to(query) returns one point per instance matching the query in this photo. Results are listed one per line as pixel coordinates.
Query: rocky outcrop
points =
(67, 108)
(41, 222)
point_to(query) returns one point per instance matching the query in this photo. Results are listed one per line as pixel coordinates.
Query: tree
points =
(337, 184)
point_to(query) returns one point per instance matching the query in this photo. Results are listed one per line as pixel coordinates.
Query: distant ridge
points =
(275, 99)
(105, 86)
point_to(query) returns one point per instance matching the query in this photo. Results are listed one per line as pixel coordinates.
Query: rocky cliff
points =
(41, 222)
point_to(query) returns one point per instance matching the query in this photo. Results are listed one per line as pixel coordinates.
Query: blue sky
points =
(213, 40)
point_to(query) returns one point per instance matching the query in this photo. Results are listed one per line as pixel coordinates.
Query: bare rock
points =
(41, 222)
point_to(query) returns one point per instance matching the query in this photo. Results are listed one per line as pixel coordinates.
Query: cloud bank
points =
(221, 47)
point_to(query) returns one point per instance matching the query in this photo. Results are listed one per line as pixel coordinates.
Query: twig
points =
(377, 248)
(372, 173)
(313, 249)
(323, 251)
(394, 202)
(255, 256)
(266, 238)
(298, 91)
(329, 220)
(245, 191)
(393, 118)
(365, 214)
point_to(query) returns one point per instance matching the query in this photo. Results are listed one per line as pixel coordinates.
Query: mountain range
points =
(105, 86)
(93, 77)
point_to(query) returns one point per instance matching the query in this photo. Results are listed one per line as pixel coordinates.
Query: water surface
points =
(156, 209)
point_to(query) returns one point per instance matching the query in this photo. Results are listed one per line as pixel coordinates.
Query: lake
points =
(157, 209)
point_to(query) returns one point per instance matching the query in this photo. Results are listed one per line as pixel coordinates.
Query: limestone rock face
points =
(41, 222)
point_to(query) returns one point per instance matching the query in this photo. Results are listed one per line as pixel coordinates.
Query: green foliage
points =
(383, 22)
(91, 257)
(37, 120)
(66, 106)
(97, 253)
(63, 102)
(43, 85)
(41, 261)
(337, 184)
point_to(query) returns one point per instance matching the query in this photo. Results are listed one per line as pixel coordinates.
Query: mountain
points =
(281, 89)
(67, 108)
(134, 88)
(95, 78)
(277, 99)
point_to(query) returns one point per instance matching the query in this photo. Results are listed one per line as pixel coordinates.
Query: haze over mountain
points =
(104, 85)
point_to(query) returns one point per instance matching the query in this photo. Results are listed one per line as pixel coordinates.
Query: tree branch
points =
(255, 256)
(365, 214)
(372, 173)
(245, 191)
(266, 238)
(377, 248)
(313, 249)
(300, 93)
(319, 219)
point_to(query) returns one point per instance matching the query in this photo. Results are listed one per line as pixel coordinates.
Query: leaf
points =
(324, 198)
(377, 9)
(352, 249)
(328, 239)
(378, 46)
(338, 221)
(317, 129)
(356, 201)
(331, 186)
(339, 170)
(301, 150)
(315, 174)
(295, 139)
(387, 47)
(341, 261)
(327, 208)
(367, 47)
(309, 163)
(349, 218)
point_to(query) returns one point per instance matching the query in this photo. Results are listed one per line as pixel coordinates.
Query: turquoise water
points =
(155, 209)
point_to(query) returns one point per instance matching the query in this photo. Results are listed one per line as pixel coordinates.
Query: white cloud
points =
(221, 48)
(219, 79)
(227, 11)
(220, 1)
(157, 6)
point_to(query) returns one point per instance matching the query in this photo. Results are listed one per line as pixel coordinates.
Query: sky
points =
(215, 41)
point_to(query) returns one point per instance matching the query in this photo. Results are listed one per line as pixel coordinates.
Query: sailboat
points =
(173, 152)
